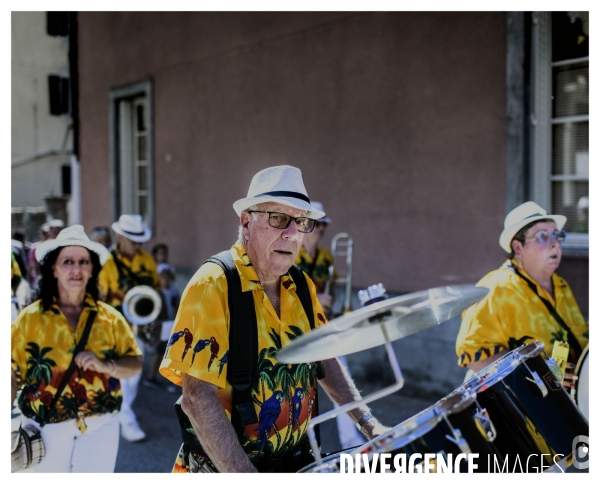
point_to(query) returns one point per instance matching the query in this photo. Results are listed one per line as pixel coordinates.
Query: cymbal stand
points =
(397, 385)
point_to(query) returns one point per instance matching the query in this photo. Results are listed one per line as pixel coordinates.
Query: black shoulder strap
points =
(71, 369)
(303, 293)
(243, 344)
(573, 343)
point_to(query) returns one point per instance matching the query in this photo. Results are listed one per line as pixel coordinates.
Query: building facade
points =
(418, 131)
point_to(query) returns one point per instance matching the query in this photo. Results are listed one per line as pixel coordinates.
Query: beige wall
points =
(397, 121)
(34, 56)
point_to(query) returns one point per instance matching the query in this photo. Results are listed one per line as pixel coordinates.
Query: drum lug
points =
(457, 439)
(537, 382)
(485, 424)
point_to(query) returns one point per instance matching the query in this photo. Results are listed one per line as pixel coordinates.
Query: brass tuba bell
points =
(142, 306)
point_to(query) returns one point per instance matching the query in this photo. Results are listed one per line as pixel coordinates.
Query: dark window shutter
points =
(57, 23)
(58, 88)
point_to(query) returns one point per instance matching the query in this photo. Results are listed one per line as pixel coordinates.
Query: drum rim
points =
(577, 370)
(497, 370)
(420, 423)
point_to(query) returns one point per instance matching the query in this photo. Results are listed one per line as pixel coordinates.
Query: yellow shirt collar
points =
(248, 275)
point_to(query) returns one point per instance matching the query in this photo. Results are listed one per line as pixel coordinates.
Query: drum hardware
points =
(456, 438)
(537, 383)
(484, 424)
(378, 322)
(397, 385)
(341, 245)
(527, 423)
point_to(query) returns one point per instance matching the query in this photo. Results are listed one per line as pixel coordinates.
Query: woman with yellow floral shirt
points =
(81, 431)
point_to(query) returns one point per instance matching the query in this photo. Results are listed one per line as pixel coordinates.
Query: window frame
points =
(542, 122)
(127, 94)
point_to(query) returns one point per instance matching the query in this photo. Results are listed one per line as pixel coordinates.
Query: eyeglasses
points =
(546, 238)
(281, 221)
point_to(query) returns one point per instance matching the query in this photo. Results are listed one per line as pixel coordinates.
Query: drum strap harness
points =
(243, 344)
(573, 343)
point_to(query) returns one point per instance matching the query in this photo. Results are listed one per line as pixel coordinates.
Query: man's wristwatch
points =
(363, 420)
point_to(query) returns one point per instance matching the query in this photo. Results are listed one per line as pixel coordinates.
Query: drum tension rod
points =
(456, 438)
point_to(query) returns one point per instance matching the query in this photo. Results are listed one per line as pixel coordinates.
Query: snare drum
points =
(455, 425)
(531, 410)
(581, 392)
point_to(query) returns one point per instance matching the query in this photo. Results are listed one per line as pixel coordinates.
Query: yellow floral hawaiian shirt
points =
(42, 345)
(120, 274)
(511, 315)
(317, 269)
(284, 394)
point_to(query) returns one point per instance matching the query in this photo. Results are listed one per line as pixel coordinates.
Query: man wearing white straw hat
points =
(236, 418)
(128, 266)
(523, 291)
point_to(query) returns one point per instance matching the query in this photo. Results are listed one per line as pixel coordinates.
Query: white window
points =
(131, 152)
(560, 119)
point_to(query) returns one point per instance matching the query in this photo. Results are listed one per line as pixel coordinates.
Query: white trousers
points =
(68, 450)
(129, 387)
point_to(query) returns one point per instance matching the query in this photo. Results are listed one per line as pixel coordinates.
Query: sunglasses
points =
(281, 221)
(546, 238)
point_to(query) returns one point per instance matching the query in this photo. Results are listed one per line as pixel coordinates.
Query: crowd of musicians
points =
(77, 361)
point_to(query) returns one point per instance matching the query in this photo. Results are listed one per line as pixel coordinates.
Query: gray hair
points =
(240, 239)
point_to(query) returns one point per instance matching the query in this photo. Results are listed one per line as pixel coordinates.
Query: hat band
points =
(285, 194)
(534, 215)
(133, 233)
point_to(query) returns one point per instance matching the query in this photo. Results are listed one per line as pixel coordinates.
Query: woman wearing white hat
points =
(68, 352)
(516, 310)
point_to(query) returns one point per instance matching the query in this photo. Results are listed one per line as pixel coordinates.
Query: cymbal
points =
(361, 329)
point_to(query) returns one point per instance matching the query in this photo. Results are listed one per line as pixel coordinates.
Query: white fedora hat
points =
(132, 227)
(524, 215)
(278, 184)
(73, 235)
(319, 206)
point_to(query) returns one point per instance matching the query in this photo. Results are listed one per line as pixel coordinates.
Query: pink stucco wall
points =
(397, 121)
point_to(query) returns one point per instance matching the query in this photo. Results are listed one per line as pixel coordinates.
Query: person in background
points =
(101, 235)
(316, 261)
(21, 251)
(160, 252)
(49, 231)
(81, 431)
(516, 309)
(171, 297)
(128, 266)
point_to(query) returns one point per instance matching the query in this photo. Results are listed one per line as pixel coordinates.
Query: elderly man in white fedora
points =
(241, 409)
(128, 266)
(527, 301)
